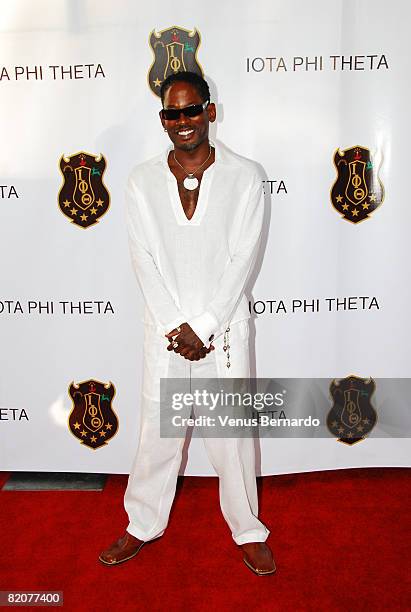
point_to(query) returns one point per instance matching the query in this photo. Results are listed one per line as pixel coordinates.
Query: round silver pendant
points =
(190, 183)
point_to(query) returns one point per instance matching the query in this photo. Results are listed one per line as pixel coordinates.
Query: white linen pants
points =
(153, 477)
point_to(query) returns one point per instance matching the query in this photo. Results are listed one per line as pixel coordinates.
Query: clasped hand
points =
(188, 343)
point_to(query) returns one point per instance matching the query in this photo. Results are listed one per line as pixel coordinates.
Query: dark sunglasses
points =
(171, 114)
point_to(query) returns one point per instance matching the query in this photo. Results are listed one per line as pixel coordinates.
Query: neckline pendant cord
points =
(191, 182)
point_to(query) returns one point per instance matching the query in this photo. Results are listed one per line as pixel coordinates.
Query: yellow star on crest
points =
(373, 197)
(109, 426)
(83, 217)
(339, 198)
(99, 202)
(345, 207)
(66, 203)
(93, 439)
(76, 425)
(157, 83)
(365, 205)
(93, 211)
(355, 212)
(102, 433)
(73, 211)
(83, 433)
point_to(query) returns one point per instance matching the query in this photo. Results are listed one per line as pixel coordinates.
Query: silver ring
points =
(174, 344)
(178, 329)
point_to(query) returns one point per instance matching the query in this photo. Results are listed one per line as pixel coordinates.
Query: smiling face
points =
(187, 133)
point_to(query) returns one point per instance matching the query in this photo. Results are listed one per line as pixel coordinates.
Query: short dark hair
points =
(193, 78)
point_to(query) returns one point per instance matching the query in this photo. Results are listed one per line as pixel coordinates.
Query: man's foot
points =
(123, 549)
(258, 557)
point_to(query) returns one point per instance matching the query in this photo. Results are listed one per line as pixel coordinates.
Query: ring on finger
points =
(174, 344)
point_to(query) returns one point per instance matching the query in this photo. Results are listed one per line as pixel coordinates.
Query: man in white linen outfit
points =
(194, 218)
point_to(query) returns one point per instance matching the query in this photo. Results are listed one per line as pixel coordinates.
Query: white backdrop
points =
(340, 78)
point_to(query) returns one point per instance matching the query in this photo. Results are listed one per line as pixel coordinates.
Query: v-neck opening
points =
(202, 200)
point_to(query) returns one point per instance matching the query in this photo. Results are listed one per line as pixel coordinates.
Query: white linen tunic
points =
(195, 270)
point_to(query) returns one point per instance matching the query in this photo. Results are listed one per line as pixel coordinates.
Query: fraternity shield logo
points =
(175, 50)
(358, 191)
(83, 197)
(352, 416)
(92, 419)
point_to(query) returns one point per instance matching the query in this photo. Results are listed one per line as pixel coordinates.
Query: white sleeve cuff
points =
(205, 326)
(173, 324)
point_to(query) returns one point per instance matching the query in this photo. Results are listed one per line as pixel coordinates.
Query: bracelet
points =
(226, 347)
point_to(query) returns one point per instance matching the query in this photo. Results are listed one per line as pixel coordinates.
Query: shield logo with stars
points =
(92, 419)
(83, 197)
(352, 415)
(175, 50)
(357, 191)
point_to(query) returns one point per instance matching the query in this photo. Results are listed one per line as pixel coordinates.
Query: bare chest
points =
(188, 197)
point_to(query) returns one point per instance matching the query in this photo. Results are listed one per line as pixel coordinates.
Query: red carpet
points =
(339, 539)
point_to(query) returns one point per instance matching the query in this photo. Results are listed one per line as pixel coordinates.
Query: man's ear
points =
(211, 112)
(160, 114)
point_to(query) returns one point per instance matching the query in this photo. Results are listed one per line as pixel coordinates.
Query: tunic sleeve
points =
(156, 295)
(223, 304)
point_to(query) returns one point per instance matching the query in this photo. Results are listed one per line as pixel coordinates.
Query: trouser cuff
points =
(139, 533)
(256, 535)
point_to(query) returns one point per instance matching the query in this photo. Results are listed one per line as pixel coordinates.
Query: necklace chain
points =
(191, 174)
